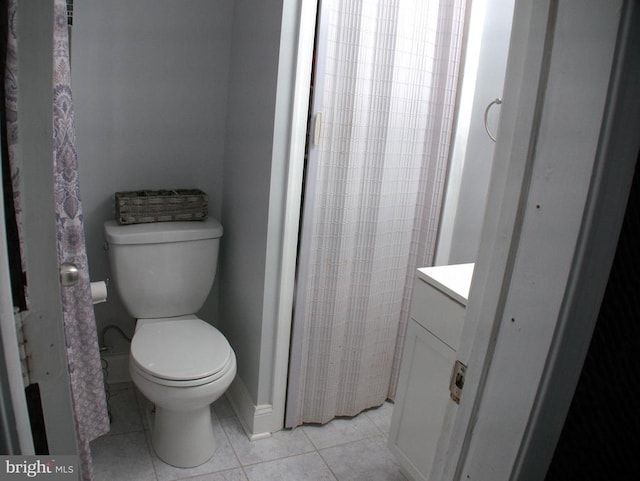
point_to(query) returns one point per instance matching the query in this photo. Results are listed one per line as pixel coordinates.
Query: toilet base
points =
(183, 438)
(182, 428)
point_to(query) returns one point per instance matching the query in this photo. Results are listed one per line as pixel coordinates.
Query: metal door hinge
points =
(22, 345)
(457, 381)
(70, 13)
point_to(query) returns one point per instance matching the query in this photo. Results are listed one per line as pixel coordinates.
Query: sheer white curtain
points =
(372, 199)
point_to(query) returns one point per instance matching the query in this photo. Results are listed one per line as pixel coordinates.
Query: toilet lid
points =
(180, 350)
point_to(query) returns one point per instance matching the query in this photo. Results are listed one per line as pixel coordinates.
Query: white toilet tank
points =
(163, 269)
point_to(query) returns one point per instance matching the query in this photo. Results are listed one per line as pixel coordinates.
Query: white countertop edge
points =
(454, 280)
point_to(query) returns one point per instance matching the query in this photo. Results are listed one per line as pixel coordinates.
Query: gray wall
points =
(150, 91)
(464, 210)
(183, 94)
(247, 187)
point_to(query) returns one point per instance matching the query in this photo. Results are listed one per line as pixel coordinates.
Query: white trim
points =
(321, 22)
(262, 422)
(256, 420)
(540, 200)
(493, 265)
(594, 255)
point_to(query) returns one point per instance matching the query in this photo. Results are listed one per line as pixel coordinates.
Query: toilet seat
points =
(181, 352)
(182, 382)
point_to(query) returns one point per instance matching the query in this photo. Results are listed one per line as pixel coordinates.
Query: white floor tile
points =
(366, 460)
(222, 408)
(231, 475)
(280, 445)
(344, 449)
(381, 417)
(304, 467)
(341, 431)
(122, 457)
(125, 416)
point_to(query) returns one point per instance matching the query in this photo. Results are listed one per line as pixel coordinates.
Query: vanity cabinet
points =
(423, 412)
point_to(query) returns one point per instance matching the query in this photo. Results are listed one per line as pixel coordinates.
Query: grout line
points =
(327, 465)
(294, 456)
(280, 458)
(147, 438)
(233, 449)
(301, 427)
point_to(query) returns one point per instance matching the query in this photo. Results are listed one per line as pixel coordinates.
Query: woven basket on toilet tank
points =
(142, 206)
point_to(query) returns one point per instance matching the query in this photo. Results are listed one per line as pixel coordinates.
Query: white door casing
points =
(43, 321)
(562, 169)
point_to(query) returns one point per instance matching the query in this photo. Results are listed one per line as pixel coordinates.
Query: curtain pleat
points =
(389, 98)
(437, 139)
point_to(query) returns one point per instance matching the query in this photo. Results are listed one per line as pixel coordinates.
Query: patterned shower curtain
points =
(389, 96)
(83, 355)
(11, 118)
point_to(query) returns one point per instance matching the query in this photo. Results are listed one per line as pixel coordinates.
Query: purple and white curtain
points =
(11, 117)
(83, 356)
(389, 97)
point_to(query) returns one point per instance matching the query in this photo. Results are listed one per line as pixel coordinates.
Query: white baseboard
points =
(117, 367)
(258, 421)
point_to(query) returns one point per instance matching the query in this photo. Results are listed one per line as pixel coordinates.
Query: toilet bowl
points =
(181, 366)
(179, 362)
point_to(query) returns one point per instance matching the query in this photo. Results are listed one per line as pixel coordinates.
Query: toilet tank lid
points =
(162, 232)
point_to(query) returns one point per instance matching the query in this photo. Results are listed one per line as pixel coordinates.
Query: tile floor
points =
(342, 450)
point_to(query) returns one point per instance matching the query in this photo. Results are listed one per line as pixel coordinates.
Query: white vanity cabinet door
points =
(424, 411)
(421, 402)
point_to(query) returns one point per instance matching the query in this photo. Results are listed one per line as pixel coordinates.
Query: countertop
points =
(454, 280)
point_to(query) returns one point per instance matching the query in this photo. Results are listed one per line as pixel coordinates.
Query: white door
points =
(43, 321)
(311, 159)
(563, 165)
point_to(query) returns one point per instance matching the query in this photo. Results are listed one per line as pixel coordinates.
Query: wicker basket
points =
(143, 206)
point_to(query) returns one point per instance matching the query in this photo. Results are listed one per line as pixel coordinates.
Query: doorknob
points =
(69, 274)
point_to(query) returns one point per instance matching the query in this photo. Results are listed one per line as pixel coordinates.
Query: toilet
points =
(163, 272)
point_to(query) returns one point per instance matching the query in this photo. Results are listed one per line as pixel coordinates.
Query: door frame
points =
(563, 166)
(292, 106)
(42, 322)
(308, 185)
(14, 421)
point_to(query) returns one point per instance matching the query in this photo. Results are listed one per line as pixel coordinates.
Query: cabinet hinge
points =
(456, 382)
